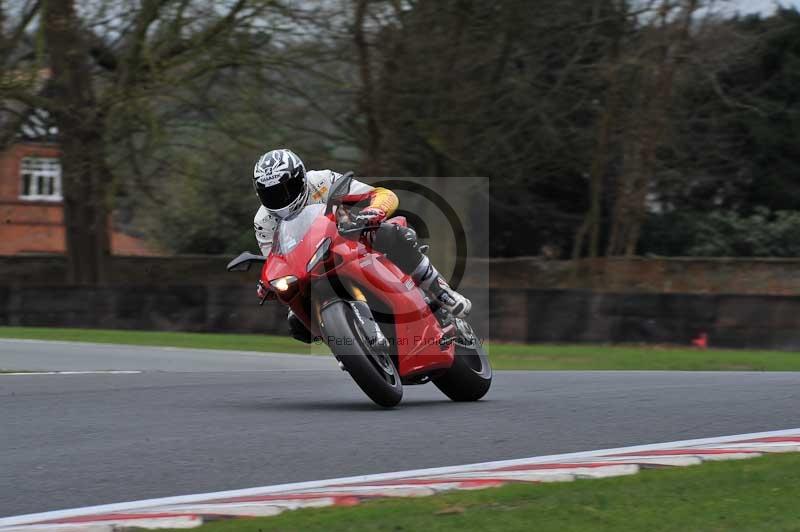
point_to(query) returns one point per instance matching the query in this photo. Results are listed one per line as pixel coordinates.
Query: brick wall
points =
(530, 315)
(10, 185)
(38, 226)
(683, 276)
(148, 307)
(31, 227)
(528, 301)
(27, 226)
(658, 275)
(44, 269)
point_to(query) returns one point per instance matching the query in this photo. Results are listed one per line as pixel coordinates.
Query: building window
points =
(41, 179)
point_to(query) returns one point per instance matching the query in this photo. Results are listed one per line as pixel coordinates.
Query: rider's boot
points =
(434, 285)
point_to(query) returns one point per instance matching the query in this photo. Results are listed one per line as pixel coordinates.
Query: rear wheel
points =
(470, 376)
(370, 365)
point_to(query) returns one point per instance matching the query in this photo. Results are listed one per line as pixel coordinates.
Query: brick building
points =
(31, 208)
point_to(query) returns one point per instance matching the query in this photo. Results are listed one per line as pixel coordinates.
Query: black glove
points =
(371, 216)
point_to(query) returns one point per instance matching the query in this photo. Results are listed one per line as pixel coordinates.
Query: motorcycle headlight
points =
(319, 254)
(284, 286)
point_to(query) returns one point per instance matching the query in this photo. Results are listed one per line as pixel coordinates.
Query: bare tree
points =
(81, 124)
(115, 67)
(662, 56)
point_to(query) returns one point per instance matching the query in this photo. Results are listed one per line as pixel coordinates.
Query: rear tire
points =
(370, 367)
(470, 376)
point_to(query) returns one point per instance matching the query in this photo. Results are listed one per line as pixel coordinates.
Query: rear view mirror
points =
(340, 188)
(242, 262)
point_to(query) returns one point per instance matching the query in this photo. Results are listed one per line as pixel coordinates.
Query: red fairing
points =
(294, 263)
(418, 332)
(416, 328)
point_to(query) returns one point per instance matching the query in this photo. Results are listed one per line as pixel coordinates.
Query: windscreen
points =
(292, 230)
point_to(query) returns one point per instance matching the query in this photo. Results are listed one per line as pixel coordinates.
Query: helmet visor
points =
(280, 195)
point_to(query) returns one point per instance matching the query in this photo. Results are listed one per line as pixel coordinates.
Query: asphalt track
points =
(196, 421)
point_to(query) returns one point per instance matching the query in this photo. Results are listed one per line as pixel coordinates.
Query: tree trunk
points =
(367, 102)
(80, 122)
(647, 132)
(614, 101)
(591, 224)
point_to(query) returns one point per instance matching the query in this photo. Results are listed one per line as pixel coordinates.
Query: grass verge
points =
(753, 495)
(504, 356)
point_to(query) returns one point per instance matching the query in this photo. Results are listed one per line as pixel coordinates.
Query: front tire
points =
(470, 376)
(370, 366)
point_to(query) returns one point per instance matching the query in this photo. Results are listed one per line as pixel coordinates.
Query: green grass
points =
(749, 496)
(237, 342)
(504, 356)
(561, 357)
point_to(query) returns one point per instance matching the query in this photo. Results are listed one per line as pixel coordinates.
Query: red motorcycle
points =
(381, 328)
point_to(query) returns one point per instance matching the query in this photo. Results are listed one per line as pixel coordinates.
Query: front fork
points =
(350, 294)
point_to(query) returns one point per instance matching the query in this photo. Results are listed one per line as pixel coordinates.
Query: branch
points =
(26, 98)
(102, 54)
(727, 100)
(204, 37)
(28, 14)
(147, 15)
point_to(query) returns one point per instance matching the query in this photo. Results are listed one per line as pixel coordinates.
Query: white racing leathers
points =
(319, 184)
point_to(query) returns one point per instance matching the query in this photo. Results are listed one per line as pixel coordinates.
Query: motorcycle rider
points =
(284, 187)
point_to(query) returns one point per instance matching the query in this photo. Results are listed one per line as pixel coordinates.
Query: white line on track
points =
(157, 347)
(99, 372)
(296, 486)
(130, 372)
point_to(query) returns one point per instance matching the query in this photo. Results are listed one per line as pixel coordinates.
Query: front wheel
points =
(369, 365)
(470, 376)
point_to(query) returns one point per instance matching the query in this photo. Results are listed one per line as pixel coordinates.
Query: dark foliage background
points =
(607, 127)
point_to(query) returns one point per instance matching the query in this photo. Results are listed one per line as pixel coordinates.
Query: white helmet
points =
(280, 182)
